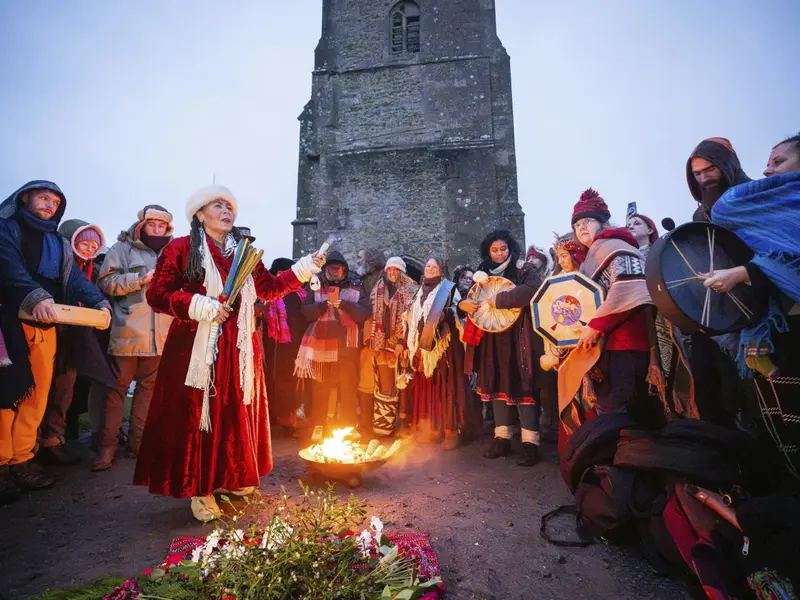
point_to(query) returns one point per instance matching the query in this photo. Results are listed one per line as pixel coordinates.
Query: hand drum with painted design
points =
(563, 305)
(486, 318)
(677, 266)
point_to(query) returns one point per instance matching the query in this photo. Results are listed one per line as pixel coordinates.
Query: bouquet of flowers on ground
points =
(302, 548)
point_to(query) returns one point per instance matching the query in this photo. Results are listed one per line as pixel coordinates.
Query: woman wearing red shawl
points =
(207, 428)
(614, 348)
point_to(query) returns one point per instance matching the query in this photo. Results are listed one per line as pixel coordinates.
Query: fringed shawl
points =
(381, 337)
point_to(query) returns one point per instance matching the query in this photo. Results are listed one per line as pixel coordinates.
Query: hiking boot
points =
(500, 447)
(30, 476)
(9, 492)
(104, 459)
(530, 455)
(57, 456)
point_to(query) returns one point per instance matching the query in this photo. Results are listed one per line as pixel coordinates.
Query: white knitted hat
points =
(206, 195)
(397, 263)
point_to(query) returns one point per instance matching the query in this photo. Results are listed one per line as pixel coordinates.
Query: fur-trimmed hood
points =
(71, 228)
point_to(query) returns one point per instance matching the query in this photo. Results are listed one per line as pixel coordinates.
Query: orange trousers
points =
(18, 429)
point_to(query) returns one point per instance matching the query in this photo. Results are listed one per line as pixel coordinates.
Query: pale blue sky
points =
(129, 103)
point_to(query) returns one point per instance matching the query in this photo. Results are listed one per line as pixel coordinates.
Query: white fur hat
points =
(397, 263)
(206, 195)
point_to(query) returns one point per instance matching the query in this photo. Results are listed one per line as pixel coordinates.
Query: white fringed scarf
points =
(200, 374)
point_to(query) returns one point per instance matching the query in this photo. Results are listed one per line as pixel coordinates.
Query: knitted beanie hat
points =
(397, 263)
(591, 206)
(88, 234)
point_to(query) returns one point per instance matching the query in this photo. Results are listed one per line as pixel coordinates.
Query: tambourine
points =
(486, 318)
(562, 305)
(679, 263)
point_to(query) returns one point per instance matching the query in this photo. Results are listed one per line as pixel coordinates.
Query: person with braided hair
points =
(207, 429)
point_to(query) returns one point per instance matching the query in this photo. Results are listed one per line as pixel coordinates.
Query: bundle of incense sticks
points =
(245, 260)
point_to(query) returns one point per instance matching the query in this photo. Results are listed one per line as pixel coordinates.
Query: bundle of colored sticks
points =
(245, 260)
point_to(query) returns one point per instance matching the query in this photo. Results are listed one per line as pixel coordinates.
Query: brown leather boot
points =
(57, 456)
(104, 459)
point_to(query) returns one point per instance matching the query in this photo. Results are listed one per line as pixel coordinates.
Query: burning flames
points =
(338, 449)
(341, 448)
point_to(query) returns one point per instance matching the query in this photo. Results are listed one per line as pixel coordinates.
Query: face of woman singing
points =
(498, 251)
(393, 274)
(586, 230)
(432, 269)
(217, 218)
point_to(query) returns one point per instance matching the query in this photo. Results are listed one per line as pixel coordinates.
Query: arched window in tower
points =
(405, 27)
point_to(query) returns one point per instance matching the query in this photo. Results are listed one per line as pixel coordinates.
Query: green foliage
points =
(97, 589)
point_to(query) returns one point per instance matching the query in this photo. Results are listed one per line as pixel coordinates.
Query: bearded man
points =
(712, 168)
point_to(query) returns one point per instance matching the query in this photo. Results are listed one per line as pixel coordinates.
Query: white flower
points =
(212, 541)
(377, 526)
(197, 553)
(238, 535)
(364, 542)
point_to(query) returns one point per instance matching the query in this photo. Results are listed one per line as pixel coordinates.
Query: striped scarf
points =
(278, 320)
(319, 348)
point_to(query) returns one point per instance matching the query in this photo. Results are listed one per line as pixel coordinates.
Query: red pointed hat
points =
(591, 206)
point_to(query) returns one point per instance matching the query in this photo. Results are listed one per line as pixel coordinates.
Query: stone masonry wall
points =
(412, 152)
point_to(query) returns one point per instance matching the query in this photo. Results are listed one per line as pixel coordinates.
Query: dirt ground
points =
(483, 516)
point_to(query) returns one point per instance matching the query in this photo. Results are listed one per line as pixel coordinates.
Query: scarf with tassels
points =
(200, 375)
(319, 348)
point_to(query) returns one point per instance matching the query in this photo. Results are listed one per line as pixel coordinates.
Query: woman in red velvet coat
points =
(208, 427)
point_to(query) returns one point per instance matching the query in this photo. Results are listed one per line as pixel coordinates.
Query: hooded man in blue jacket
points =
(37, 268)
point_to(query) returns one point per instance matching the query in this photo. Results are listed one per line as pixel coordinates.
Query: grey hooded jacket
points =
(136, 329)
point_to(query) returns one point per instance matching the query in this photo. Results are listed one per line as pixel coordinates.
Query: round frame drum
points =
(677, 266)
(563, 305)
(486, 318)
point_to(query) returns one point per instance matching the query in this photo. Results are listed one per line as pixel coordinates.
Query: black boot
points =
(30, 476)
(500, 447)
(9, 492)
(530, 455)
(366, 407)
(57, 456)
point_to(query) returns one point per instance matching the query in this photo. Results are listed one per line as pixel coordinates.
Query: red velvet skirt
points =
(176, 458)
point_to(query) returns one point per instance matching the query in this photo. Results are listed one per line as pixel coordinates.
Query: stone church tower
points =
(407, 143)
